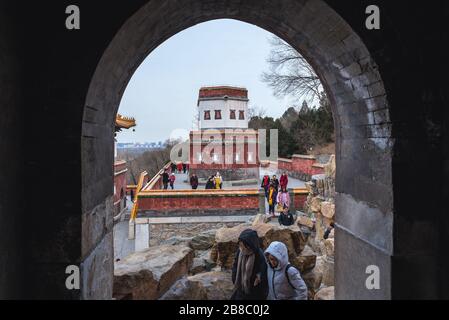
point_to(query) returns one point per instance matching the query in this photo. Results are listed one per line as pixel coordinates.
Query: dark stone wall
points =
(45, 75)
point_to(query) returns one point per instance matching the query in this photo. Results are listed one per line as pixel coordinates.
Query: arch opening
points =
(364, 212)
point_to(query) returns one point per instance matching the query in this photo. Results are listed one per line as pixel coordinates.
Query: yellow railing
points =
(139, 188)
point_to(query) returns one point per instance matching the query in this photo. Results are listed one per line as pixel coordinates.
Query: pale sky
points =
(162, 94)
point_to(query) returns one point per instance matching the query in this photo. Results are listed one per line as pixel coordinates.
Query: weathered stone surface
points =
(147, 274)
(328, 271)
(305, 261)
(330, 167)
(313, 282)
(328, 209)
(218, 284)
(226, 241)
(175, 241)
(214, 285)
(184, 289)
(315, 204)
(260, 218)
(305, 221)
(312, 279)
(203, 241)
(202, 263)
(326, 294)
(329, 247)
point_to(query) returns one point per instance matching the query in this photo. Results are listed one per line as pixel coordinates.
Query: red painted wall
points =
(173, 201)
(300, 164)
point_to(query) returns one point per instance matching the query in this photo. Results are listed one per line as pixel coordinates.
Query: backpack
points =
(286, 275)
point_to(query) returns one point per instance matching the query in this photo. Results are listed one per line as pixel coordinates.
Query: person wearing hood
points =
(210, 183)
(284, 280)
(249, 271)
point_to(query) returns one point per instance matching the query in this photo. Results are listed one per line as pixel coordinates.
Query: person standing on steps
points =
(249, 270)
(210, 184)
(275, 182)
(265, 184)
(283, 198)
(179, 167)
(284, 280)
(272, 198)
(194, 181)
(165, 179)
(218, 181)
(283, 181)
(172, 181)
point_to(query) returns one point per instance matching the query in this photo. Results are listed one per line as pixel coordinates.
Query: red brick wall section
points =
(167, 202)
(300, 200)
(300, 164)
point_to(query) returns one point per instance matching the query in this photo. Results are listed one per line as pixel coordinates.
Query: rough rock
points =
(313, 282)
(330, 167)
(202, 263)
(328, 271)
(148, 274)
(328, 209)
(325, 294)
(184, 289)
(215, 285)
(226, 241)
(315, 204)
(328, 247)
(260, 218)
(174, 241)
(204, 240)
(305, 261)
(305, 221)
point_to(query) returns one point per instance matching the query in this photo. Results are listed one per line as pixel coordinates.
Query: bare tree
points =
(255, 111)
(290, 74)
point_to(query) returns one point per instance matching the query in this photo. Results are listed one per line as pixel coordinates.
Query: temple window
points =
(241, 115)
(207, 115)
(217, 114)
(232, 115)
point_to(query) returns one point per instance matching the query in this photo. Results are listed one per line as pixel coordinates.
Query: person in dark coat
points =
(286, 218)
(265, 184)
(194, 181)
(275, 182)
(173, 167)
(184, 167)
(249, 271)
(210, 184)
(165, 179)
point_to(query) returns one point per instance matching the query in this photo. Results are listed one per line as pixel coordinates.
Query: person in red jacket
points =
(284, 181)
(179, 168)
(172, 181)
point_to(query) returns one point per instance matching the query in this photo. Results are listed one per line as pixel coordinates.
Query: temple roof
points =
(122, 122)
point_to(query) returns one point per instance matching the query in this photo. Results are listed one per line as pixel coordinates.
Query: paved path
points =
(181, 182)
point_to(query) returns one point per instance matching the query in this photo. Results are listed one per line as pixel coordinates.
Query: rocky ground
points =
(198, 267)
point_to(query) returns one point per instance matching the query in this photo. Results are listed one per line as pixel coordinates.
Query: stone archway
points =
(364, 201)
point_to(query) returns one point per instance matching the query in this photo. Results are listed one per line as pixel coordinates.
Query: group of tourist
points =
(214, 182)
(278, 198)
(168, 179)
(179, 167)
(259, 275)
